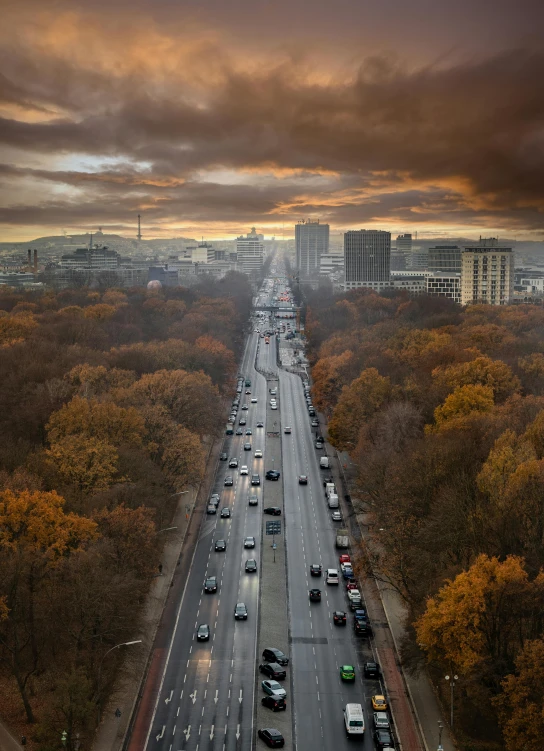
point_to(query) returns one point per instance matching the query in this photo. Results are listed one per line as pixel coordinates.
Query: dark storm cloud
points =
(457, 144)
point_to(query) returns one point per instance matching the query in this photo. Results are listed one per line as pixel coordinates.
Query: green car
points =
(347, 672)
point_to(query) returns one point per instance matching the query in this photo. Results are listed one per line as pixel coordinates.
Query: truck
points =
(332, 500)
(342, 539)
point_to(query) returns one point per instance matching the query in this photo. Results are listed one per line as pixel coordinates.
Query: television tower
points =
(139, 235)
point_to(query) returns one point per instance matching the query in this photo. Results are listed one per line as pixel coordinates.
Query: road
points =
(207, 693)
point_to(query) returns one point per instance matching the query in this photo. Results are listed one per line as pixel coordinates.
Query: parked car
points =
(273, 670)
(272, 474)
(276, 704)
(223, 456)
(272, 510)
(381, 720)
(273, 688)
(383, 739)
(210, 509)
(371, 670)
(272, 737)
(379, 703)
(271, 654)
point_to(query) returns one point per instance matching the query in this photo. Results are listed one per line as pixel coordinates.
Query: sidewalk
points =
(7, 741)
(423, 700)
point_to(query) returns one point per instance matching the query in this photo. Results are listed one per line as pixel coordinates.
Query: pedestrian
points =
(23, 740)
(160, 568)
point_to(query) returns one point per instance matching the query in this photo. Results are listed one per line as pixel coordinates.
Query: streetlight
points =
(452, 679)
(123, 644)
(440, 729)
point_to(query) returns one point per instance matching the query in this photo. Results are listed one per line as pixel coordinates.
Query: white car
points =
(244, 470)
(272, 401)
(275, 689)
(254, 400)
(273, 406)
(258, 454)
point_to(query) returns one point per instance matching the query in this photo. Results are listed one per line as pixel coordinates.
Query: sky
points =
(209, 117)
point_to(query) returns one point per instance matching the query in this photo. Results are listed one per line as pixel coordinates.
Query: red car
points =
(344, 558)
(352, 585)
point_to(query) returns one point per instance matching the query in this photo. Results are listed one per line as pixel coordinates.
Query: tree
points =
(461, 403)
(16, 329)
(358, 401)
(103, 421)
(503, 460)
(88, 463)
(329, 376)
(131, 533)
(520, 705)
(481, 371)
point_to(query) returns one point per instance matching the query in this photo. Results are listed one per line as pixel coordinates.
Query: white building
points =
(311, 242)
(331, 263)
(250, 250)
(367, 259)
(444, 284)
(487, 273)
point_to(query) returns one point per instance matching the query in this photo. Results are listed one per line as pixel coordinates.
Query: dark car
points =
(247, 446)
(210, 585)
(240, 612)
(203, 632)
(260, 424)
(253, 500)
(249, 431)
(273, 670)
(383, 738)
(272, 737)
(223, 457)
(242, 421)
(319, 444)
(303, 480)
(251, 566)
(255, 480)
(276, 704)
(272, 510)
(360, 614)
(272, 474)
(315, 595)
(271, 654)
(239, 431)
(316, 569)
(225, 513)
(220, 545)
(371, 670)
(339, 618)
(314, 424)
(361, 627)
(228, 481)
(233, 462)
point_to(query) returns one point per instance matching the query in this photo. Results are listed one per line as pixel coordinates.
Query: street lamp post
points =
(452, 680)
(440, 729)
(123, 644)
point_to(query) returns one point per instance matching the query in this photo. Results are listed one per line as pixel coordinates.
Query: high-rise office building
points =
(311, 242)
(404, 243)
(445, 259)
(487, 273)
(367, 259)
(250, 251)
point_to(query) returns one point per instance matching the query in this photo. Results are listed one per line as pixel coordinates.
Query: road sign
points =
(273, 528)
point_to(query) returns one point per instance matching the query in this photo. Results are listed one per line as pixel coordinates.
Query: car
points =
(381, 720)
(272, 474)
(223, 456)
(240, 612)
(273, 401)
(271, 654)
(249, 431)
(383, 738)
(247, 446)
(245, 408)
(254, 400)
(371, 670)
(314, 424)
(203, 632)
(347, 672)
(303, 479)
(347, 573)
(272, 737)
(220, 546)
(210, 585)
(239, 431)
(225, 513)
(360, 613)
(253, 500)
(287, 430)
(244, 470)
(251, 566)
(228, 481)
(379, 703)
(273, 703)
(336, 516)
(210, 509)
(315, 595)
(273, 688)
(233, 463)
(344, 558)
(273, 406)
(260, 424)
(214, 499)
(255, 480)
(316, 569)
(249, 542)
(339, 618)
(273, 392)
(258, 454)
(242, 421)
(351, 584)
(273, 670)
(272, 510)
(319, 444)
(248, 391)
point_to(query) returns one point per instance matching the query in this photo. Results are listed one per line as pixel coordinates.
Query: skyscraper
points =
(404, 243)
(367, 259)
(487, 273)
(250, 251)
(445, 258)
(311, 242)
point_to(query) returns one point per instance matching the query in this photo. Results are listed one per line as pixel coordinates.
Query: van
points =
(329, 488)
(354, 719)
(324, 462)
(332, 576)
(333, 500)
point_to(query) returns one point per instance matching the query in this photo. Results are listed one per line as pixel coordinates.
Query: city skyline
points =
(110, 110)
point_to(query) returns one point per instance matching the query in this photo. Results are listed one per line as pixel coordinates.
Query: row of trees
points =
(442, 411)
(108, 406)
